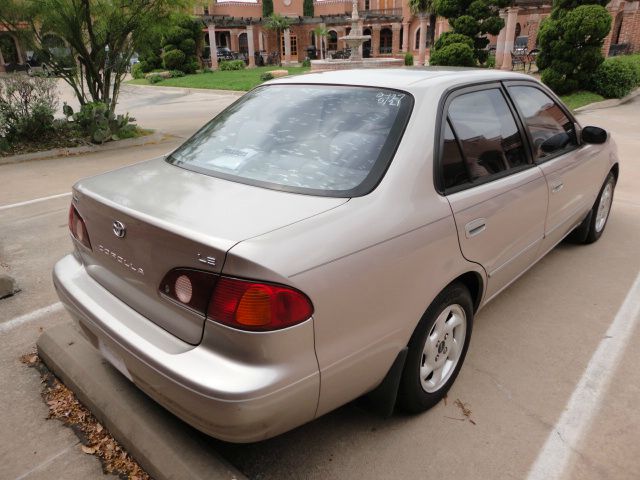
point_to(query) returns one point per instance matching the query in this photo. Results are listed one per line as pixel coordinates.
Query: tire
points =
(420, 390)
(592, 227)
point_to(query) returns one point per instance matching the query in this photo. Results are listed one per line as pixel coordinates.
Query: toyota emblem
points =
(119, 230)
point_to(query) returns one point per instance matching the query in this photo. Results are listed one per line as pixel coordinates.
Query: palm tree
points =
(424, 9)
(321, 32)
(278, 24)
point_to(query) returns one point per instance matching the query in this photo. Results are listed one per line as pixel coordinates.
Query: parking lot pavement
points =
(529, 353)
(176, 111)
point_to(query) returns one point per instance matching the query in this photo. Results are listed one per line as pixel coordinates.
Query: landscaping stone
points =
(8, 286)
(279, 73)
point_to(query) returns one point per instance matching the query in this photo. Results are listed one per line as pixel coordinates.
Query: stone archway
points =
(9, 48)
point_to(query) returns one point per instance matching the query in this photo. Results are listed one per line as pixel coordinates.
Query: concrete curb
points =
(65, 152)
(162, 444)
(612, 102)
(187, 91)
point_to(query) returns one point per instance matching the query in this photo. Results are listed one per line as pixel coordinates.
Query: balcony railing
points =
(384, 12)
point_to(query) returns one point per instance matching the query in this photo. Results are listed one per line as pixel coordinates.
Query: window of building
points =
(367, 5)
(489, 137)
(550, 129)
(294, 44)
(332, 40)
(386, 40)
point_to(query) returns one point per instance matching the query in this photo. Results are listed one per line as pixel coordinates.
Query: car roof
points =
(404, 78)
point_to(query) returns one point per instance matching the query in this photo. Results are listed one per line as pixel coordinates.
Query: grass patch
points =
(238, 80)
(580, 99)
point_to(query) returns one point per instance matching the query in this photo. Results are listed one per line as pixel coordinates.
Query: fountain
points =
(354, 40)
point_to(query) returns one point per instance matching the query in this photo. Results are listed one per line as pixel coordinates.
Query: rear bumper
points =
(235, 386)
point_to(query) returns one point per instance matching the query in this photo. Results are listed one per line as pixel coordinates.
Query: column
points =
(235, 44)
(512, 19)
(360, 48)
(405, 36)
(212, 46)
(501, 39)
(287, 46)
(252, 50)
(260, 41)
(375, 39)
(423, 39)
(395, 38)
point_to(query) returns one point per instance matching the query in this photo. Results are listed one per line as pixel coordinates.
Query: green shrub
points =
(633, 60)
(408, 59)
(154, 78)
(615, 79)
(449, 38)
(188, 46)
(460, 54)
(137, 71)
(173, 59)
(266, 76)
(571, 42)
(306, 62)
(471, 21)
(176, 73)
(231, 65)
(27, 106)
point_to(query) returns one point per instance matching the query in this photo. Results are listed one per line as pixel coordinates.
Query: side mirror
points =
(555, 142)
(595, 135)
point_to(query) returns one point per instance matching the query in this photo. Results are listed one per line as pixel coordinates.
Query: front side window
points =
(487, 133)
(316, 139)
(551, 130)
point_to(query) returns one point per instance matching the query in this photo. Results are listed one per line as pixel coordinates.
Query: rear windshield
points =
(314, 139)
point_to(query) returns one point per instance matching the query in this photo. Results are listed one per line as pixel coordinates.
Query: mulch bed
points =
(95, 439)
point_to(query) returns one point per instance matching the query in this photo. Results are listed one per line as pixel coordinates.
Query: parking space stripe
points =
(565, 437)
(29, 317)
(35, 200)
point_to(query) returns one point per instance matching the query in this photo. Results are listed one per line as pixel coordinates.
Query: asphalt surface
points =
(528, 356)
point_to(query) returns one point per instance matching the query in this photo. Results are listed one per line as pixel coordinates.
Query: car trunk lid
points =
(173, 218)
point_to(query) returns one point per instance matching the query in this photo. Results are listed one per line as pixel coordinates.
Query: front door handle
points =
(475, 227)
(555, 188)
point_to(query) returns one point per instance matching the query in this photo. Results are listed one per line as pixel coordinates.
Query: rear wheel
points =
(437, 350)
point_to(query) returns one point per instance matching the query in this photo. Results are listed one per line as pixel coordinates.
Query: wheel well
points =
(615, 170)
(473, 281)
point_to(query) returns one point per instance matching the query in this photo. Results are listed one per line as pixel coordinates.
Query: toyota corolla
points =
(328, 236)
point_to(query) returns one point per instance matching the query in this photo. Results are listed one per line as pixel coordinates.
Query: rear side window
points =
(315, 139)
(488, 136)
(551, 130)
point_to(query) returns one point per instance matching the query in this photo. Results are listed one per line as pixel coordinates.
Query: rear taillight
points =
(191, 288)
(77, 227)
(250, 305)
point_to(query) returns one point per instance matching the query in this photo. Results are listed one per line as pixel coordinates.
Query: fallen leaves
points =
(464, 409)
(64, 406)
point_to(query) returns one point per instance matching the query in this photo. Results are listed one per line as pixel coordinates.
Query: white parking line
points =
(578, 414)
(29, 317)
(35, 200)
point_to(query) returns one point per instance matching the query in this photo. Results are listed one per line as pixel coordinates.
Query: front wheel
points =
(591, 229)
(437, 350)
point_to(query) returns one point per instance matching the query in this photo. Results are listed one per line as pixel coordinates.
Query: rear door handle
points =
(557, 187)
(475, 227)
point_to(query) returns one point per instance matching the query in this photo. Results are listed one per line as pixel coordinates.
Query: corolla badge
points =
(119, 229)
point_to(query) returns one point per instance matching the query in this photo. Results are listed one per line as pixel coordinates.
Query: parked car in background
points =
(225, 54)
(329, 236)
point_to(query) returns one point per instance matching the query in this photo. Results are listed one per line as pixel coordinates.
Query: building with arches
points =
(393, 29)
(238, 26)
